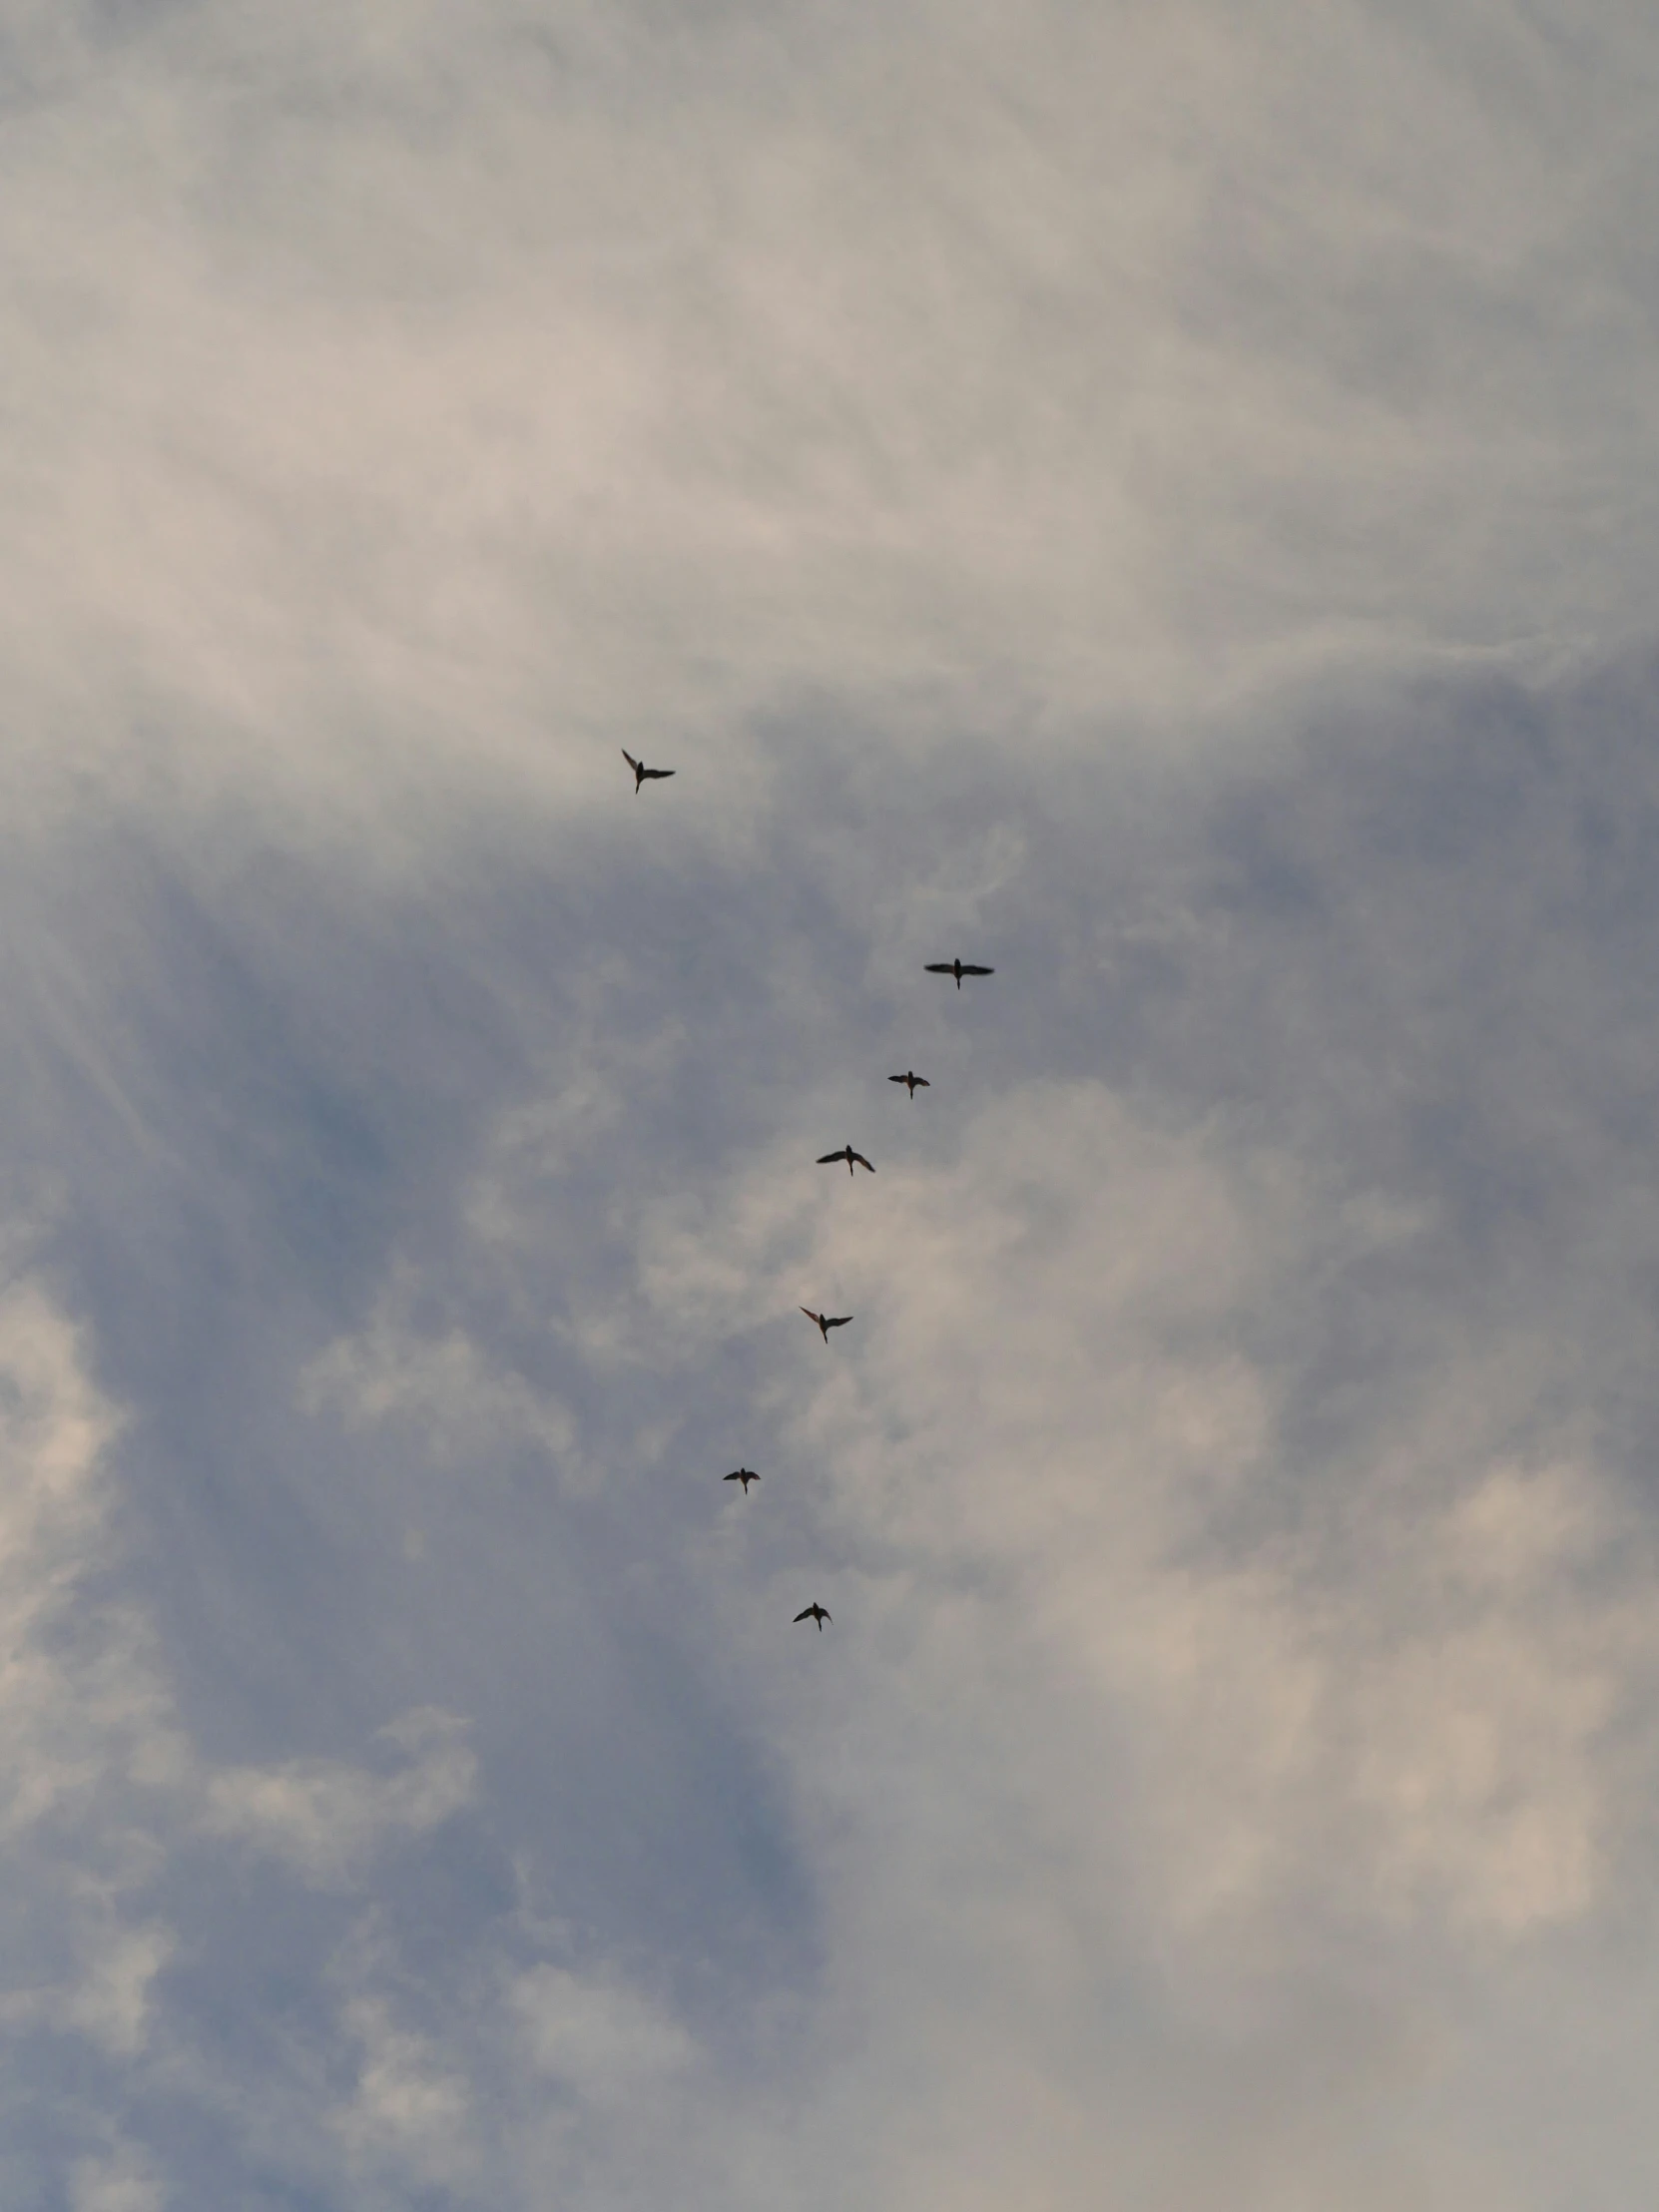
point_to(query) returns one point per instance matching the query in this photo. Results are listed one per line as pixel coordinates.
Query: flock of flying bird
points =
(912, 1082)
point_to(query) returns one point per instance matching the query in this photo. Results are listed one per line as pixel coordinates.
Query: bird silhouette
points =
(745, 1475)
(957, 968)
(643, 775)
(848, 1153)
(816, 1614)
(826, 1322)
(912, 1081)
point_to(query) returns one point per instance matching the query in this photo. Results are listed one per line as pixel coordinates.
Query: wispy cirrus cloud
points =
(407, 408)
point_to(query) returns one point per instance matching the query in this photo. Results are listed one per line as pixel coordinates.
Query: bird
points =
(848, 1153)
(912, 1081)
(816, 1614)
(745, 1475)
(642, 773)
(826, 1322)
(957, 968)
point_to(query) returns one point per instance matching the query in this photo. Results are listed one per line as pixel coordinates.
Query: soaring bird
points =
(816, 1614)
(644, 775)
(957, 968)
(848, 1153)
(912, 1081)
(826, 1322)
(745, 1475)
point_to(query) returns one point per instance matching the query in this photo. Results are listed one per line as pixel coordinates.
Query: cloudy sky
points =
(1161, 498)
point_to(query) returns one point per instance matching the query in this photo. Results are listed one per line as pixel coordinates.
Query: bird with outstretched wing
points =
(644, 775)
(957, 968)
(848, 1153)
(826, 1322)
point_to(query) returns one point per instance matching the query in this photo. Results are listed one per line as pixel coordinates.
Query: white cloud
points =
(411, 2114)
(1132, 1707)
(126, 2181)
(1412, 1687)
(74, 1708)
(106, 1794)
(443, 1388)
(537, 1145)
(597, 2038)
(109, 2000)
(111, 2006)
(330, 1819)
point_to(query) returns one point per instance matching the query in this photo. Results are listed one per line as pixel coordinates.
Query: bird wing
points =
(836, 1321)
(899, 1078)
(732, 1477)
(811, 1316)
(969, 969)
(629, 758)
(922, 1083)
(806, 1615)
(824, 1161)
(940, 968)
(863, 1162)
(656, 775)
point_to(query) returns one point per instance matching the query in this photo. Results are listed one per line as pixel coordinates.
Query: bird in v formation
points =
(826, 1322)
(644, 775)
(848, 1153)
(957, 968)
(912, 1082)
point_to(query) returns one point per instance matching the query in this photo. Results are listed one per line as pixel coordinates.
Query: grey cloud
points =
(1154, 504)
(395, 395)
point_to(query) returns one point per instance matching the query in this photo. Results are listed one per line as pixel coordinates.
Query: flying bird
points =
(826, 1322)
(912, 1081)
(848, 1153)
(816, 1614)
(745, 1475)
(957, 968)
(643, 775)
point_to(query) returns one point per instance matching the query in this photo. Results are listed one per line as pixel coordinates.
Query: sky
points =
(1159, 499)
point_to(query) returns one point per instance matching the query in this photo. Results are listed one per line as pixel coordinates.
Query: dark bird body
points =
(816, 1614)
(957, 968)
(826, 1322)
(745, 1475)
(913, 1081)
(644, 775)
(848, 1153)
